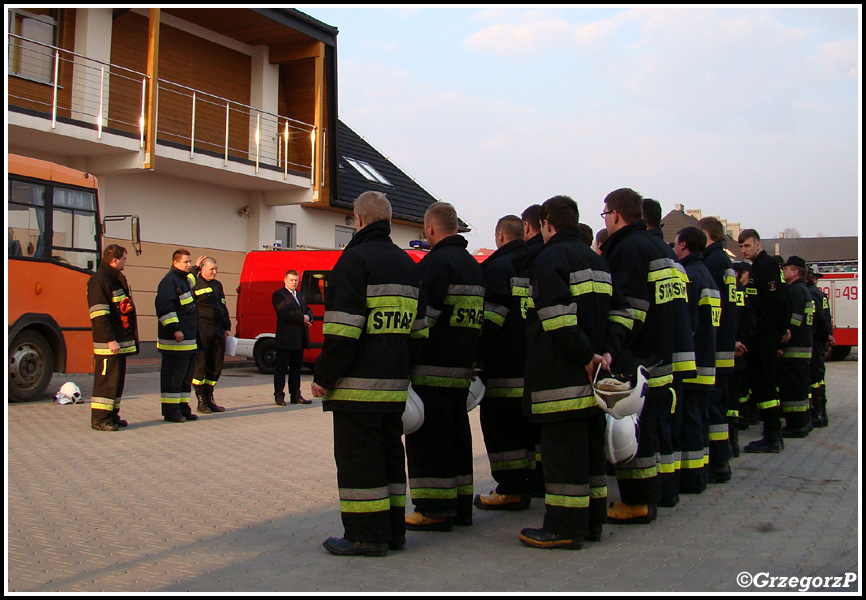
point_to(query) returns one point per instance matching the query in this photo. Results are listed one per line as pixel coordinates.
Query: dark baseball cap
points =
(795, 261)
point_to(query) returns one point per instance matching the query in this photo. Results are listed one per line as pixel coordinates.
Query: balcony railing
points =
(104, 96)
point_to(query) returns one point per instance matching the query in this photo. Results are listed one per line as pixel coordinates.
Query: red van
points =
(263, 273)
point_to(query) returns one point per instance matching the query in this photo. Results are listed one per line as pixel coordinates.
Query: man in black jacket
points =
(769, 299)
(502, 355)
(294, 319)
(374, 321)
(115, 336)
(177, 330)
(439, 454)
(213, 328)
(822, 333)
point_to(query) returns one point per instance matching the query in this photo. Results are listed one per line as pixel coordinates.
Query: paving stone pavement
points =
(241, 502)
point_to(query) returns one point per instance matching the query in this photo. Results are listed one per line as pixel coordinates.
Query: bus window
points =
(313, 285)
(26, 219)
(75, 235)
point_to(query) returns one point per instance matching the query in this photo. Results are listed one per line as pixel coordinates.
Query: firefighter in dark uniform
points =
(502, 357)
(724, 409)
(797, 352)
(582, 320)
(534, 243)
(213, 328)
(651, 282)
(705, 308)
(115, 337)
(670, 410)
(768, 297)
(362, 375)
(740, 386)
(177, 330)
(822, 334)
(439, 454)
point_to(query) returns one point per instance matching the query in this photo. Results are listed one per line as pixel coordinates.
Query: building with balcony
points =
(217, 127)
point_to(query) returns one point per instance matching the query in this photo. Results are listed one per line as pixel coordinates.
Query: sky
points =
(752, 114)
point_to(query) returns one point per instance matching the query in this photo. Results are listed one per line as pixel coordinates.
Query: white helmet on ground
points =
(620, 439)
(476, 393)
(413, 415)
(69, 394)
(621, 398)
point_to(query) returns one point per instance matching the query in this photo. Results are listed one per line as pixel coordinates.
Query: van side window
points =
(313, 286)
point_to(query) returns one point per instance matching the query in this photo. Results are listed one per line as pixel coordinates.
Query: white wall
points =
(315, 227)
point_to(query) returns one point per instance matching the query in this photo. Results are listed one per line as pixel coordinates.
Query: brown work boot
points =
(418, 522)
(496, 501)
(631, 514)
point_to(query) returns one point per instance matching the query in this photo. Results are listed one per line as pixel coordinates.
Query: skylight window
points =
(369, 173)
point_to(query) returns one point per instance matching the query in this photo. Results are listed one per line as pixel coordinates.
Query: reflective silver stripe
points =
(433, 482)
(679, 357)
(104, 345)
(589, 275)
(397, 489)
(379, 493)
(167, 316)
(566, 489)
(420, 324)
(558, 310)
(638, 304)
(576, 391)
(185, 298)
(363, 383)
(434, 371)
(598, 481)
(692, 454)
(508, 382)
(500, 310)
(97, 307)
(463, 480)
(433, 313)
(506, 456)
(646, 462)
(465, 290)
(344, 318)
(392, 289)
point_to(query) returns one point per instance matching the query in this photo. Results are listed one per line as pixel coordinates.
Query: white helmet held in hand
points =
(620, 398)
(476, 393)
(413, 415)
(620, 439)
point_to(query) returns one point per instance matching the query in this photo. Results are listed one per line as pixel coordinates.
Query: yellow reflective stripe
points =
(590, 287)
(637, 473)
(598, 492)
(102, 405)
(566, 501)
(768, 404)
(99, 313)
(348, 331)
(365, 506)
(559, 322)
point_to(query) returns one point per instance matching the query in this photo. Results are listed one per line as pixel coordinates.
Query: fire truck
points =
(841, 282)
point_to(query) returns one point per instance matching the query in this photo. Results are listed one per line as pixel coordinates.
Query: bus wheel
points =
(265, 355)
(31, 364)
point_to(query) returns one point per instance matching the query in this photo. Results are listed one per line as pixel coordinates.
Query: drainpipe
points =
(152, 88)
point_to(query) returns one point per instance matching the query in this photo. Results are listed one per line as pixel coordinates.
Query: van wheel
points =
(265, 356)
(31, 364)
(839, 353)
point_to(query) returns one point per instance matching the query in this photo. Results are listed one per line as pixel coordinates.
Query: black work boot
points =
(770, 443)
(186, 411)
(734, 435)
(101, 420)
(280, 398)
(116, 418)
(211, 404)
(201, 395)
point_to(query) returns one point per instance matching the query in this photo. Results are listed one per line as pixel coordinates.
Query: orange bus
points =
(54, 245)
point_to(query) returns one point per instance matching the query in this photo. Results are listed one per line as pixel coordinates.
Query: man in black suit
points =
(294, 318)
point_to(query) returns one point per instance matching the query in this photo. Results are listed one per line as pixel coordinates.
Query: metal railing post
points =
(286, 152)
(226, 162)
(101, 95)
(141, 117)
(192, 130)
(54, 101)
(258, 138)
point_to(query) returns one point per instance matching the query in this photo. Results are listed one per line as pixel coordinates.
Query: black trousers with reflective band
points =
(439, 455)
(720, 445)
(575, 476)
(175, 382)
(762, 379)
(109, 374)
(509, 442)
(210, 357)
(669, 420)
(371, 475)
(638, 479)
(694, 439)
(794, 393)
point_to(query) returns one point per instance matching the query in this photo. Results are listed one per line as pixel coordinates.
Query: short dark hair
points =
(291, 272)
(694, 238)
(712, 227)
(511, 226)
(532, 216)
(585, 233)
(112, 251)
(601, 237)
(627, 202)
(652, 213)
(443, 215)
(560, 212)
(746, 234)
(178, 253)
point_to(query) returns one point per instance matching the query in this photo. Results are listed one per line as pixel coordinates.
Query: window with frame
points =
(367, 170)
(314, 285)
(342, 236)
(32, 57)
(54, 222)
